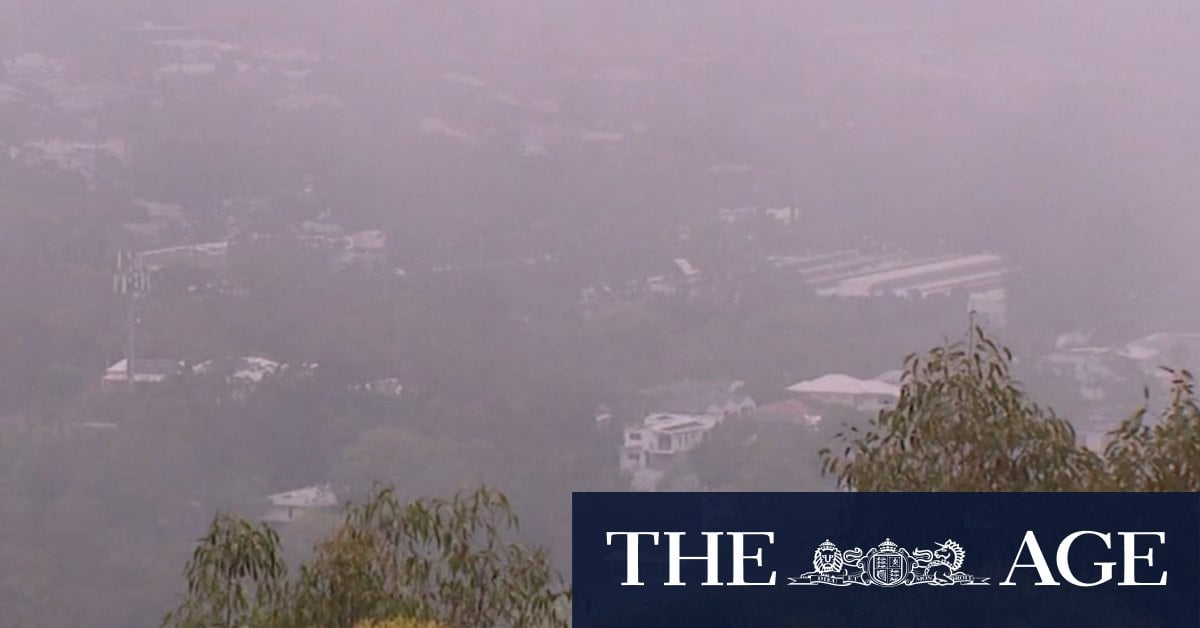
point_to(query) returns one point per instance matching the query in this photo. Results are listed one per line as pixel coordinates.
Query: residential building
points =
(660, 437)
(866, 395)
(291, 505)
(145, 371)
(243, 376)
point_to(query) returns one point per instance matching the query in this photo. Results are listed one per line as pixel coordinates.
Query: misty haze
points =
(263, 257)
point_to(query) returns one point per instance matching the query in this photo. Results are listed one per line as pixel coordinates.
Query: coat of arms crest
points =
(888, 565)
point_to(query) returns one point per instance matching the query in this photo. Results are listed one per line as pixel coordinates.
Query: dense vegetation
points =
(963, 423)
(502, 373)
(444, 561)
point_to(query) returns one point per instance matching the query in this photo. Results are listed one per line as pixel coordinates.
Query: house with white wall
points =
(660, 437)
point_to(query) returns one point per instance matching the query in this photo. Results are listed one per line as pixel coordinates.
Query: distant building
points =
(660, 437)
(292, 505)
(922, 277)
(145, 371)
(853, 273)
(207, 255)
(242, 377)
(249, 371)
(866, 395)
(683, 414)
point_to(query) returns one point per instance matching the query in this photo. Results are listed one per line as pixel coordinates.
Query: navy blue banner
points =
(886, 559)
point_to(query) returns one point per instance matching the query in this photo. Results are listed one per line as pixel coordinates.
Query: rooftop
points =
(840, 384)
(921, 277)
(144, 370)
(662, 422)
(318, 496)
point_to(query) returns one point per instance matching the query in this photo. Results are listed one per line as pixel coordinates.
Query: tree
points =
(1164, 455)
(963, 423)
(402, 622)
(444, 561)
(235, 577)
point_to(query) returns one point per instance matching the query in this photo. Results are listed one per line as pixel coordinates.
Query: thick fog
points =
(433, 244)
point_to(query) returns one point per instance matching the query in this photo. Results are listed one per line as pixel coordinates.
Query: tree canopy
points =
(963, 422)
(444, 562)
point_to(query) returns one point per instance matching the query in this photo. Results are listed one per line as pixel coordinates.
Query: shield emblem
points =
(888, 568)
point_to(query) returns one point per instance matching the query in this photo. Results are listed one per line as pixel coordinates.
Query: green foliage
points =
(1164, 455)
(402, 622)
(446, 561)
(235, 577)
(963, 423)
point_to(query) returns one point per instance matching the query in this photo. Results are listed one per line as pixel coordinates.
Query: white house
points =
(291, 505)
(661, 436)
(867, 395)
(243, 371)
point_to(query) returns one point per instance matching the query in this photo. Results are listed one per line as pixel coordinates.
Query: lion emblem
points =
(827, 559)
